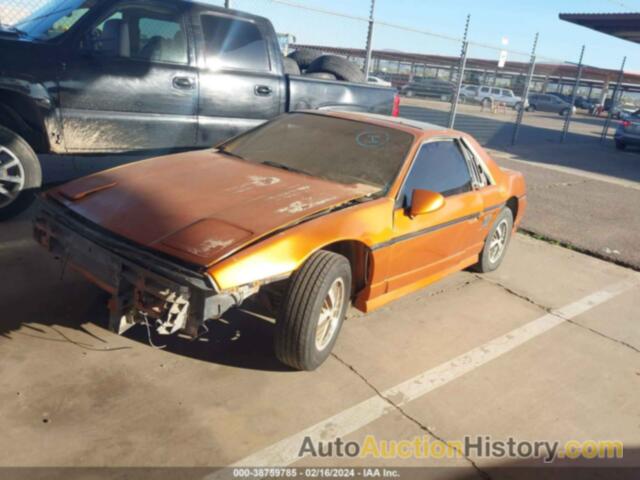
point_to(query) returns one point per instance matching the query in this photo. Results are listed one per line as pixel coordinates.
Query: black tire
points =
(296, 327)
(340, 67)
(564, 113)
(486, 102)
(20, 162)
(290, 66)
(304, 57)
(620, 145)
(410, 93)
(321, 75)
(486, 263)
(518, 106)
(531, 108)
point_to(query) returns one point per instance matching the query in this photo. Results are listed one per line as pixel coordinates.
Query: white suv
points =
(485, 95)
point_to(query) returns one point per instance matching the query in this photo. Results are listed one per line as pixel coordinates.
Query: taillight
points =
(626, 123)
(396, 106)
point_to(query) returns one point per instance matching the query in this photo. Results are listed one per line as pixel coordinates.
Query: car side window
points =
(439, 166)
(495, 91)
(484, 90)
(233, 43)
(140, 33)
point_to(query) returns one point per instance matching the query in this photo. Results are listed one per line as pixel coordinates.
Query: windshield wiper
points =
(284, 167)
(12, 29)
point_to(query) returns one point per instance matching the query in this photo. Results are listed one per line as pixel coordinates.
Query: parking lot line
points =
(285, 452)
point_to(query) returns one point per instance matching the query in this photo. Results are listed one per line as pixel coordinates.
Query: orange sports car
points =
(312, 211)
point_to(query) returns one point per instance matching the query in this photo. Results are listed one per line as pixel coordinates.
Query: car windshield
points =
(54, 18)
(344, 151)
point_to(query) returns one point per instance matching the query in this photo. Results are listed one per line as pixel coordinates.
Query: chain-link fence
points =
(499, 95)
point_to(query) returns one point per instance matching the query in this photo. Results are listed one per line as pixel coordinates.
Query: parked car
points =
(378, 81)
(628, 131)
(623, 111)
(549, 103)
(486, 95)
(86, 76)
(429, 87)
(311, 210)
(580, 102)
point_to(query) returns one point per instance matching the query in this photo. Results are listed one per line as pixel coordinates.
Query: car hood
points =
(200, 206)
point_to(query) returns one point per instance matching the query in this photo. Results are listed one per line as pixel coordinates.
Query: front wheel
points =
(496, 243)
(20, 174)
(518, 106)
(564, 113)
(313, 311)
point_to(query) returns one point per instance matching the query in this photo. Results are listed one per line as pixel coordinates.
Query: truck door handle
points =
(263, 90)
(184, 83)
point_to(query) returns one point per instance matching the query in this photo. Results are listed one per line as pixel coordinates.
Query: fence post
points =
(614, 102)
(567, 120)
(461, 67)
(227, 3)
(525, 93)
(367, 59)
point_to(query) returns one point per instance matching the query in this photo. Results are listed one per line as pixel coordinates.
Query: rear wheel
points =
(20, 174)
(518, 106)
(313, 311)
(486, 102)
(496, 243)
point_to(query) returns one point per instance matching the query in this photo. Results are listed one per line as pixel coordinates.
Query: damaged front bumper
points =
(144, 286)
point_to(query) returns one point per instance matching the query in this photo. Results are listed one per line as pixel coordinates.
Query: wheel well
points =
(360, 258)
(20, 114)
(512, 204)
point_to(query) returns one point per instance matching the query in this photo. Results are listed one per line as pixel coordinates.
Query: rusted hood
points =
(200, 206)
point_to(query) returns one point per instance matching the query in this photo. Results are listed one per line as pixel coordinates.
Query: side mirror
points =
(425, 201)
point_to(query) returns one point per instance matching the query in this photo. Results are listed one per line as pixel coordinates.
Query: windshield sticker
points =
(372, 139)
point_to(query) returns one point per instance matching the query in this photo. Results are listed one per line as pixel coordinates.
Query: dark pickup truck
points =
(97, 76)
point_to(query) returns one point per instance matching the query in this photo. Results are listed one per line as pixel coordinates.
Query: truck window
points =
(135, 32)
(234, 43)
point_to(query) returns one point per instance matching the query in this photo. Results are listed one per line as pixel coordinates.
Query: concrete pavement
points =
(73, 394)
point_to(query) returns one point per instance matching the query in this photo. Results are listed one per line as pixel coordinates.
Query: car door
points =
(435, 242)
(130, 82)
(241, 84)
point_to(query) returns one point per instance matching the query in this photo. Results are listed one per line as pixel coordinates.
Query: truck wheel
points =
(496, 243)
(290, 66)
(20, 174)
(340, 67)
(313, 311)
(304, 57)
(321, 75)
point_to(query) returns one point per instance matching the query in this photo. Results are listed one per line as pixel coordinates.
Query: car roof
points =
(416, 127)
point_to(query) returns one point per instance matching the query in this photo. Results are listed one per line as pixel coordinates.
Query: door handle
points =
(263, 90)
(184, 83)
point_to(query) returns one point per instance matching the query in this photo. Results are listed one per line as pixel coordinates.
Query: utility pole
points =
(367, 60)
(614, 102)
(227, 3)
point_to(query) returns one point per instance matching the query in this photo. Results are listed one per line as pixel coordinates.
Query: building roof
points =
(622, 25)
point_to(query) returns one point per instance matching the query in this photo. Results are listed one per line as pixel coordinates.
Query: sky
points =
(491, 20)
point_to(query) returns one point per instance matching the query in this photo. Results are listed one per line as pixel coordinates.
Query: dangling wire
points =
(146, 323)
